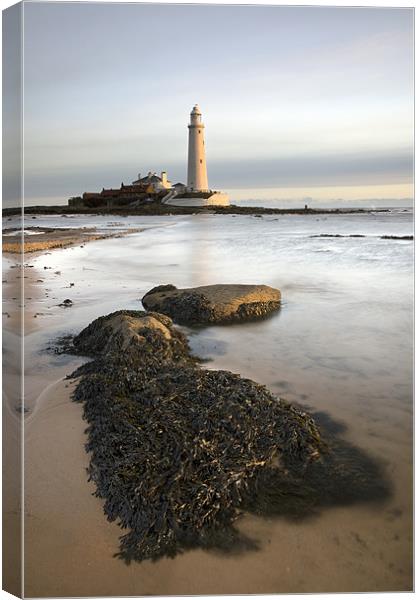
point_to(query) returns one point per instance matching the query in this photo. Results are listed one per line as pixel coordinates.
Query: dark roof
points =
(148, 179)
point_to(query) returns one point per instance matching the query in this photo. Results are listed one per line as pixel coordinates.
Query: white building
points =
(154, 182)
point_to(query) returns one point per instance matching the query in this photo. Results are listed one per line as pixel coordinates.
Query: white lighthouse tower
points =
(197, 168)
(196, 192)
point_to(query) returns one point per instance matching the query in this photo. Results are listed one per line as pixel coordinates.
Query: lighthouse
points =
(197, 168)
(196, 192)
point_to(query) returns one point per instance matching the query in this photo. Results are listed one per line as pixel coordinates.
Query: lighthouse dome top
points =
(196, 110)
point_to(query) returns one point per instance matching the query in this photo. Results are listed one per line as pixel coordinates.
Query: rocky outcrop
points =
(175, 449)
(178, 452)
(147, 335)
(221, 303)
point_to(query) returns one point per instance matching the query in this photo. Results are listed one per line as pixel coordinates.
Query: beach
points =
(341, 345)
(39, 239)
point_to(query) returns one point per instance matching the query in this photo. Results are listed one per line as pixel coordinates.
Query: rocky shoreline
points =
(405, 238)
(178, 452)
(156, 209)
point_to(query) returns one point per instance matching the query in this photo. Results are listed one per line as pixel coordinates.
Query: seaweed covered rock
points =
(221, 303)
(178, 452)
(151, 334)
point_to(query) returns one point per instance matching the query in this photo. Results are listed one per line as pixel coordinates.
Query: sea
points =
(341, 345)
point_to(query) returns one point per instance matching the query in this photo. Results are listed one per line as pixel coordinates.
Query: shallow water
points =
(341, 343)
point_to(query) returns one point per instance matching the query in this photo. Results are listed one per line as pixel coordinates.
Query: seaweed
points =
(178, 452)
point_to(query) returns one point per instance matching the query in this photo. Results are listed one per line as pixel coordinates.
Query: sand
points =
(38, 239)
(12, 429)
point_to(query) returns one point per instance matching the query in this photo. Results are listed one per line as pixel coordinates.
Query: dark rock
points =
(66, 303)
(397, 237)
(213, 303)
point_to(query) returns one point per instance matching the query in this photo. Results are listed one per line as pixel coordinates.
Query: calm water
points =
(342, 343)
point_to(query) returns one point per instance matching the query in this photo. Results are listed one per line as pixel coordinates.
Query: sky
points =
(299, 103)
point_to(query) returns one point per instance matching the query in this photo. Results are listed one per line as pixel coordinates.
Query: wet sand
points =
(39, 239)
(69, 545)
(12, 428)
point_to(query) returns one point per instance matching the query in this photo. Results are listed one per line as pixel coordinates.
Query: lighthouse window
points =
(199, 131)
(201, 160)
